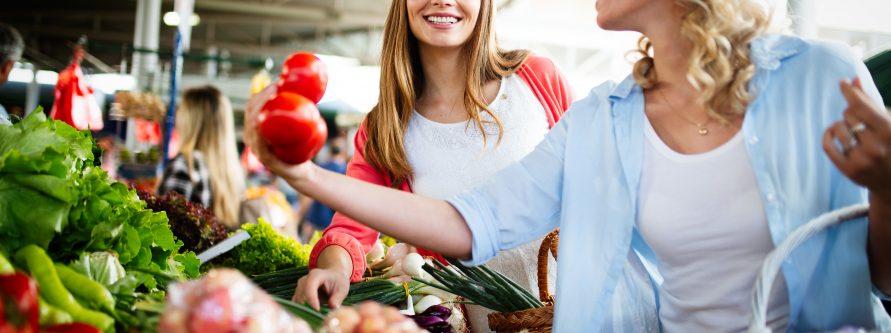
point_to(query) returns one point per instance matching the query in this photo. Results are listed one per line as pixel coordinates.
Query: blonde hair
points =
(204, 123)
(720, 67)
(402, 81)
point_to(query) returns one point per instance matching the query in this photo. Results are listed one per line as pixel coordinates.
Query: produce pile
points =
(80, 252)
(91, 245)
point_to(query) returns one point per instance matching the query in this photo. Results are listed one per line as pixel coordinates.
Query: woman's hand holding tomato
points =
(253, 139)
(282, 124)
(292, 127)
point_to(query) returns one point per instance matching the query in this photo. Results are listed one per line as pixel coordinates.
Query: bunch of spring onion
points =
(282, 284)
(480, 285)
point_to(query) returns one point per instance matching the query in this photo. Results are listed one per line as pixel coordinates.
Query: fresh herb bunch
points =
(280, 283)
(266, 251)
(191, 223)
(380, 290)
(481, 285)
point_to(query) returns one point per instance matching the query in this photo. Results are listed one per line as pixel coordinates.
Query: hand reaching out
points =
(252, 139)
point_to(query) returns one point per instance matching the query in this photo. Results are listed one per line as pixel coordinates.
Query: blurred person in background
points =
(207, 170)
(11, 48)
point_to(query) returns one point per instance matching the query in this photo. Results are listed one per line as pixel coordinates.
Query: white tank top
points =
(450, 158)
(703, 216)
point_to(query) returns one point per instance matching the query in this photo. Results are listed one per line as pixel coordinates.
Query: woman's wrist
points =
(301, 180)
(882, 199)
(337, 259)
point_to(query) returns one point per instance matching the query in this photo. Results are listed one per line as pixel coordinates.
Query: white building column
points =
(804, 17)
(145, 64)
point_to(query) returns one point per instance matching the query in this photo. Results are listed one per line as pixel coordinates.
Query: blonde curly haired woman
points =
(701, 161)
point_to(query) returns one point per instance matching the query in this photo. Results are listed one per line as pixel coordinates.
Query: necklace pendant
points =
(703, 131)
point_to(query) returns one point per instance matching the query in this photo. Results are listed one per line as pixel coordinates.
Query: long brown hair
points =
(205, 124)
(720, 66)
(402, 81)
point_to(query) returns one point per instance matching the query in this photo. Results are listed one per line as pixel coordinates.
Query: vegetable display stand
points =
(535, 320)
(774, 261)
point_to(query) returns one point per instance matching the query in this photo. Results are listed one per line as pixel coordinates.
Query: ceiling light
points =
(172, 19)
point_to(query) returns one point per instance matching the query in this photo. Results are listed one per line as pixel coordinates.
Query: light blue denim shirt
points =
(584, 178)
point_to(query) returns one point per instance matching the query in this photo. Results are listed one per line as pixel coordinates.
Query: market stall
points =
(103, 255)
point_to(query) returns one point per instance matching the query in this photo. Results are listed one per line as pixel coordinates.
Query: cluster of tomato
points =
(290, 122)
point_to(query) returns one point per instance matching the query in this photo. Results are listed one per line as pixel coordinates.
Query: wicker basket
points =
(537, 319)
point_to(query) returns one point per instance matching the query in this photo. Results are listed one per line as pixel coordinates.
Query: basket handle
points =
(548, 244)
(774, 260)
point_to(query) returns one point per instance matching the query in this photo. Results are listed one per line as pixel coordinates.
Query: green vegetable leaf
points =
(22, 222)
(163, 237)
(189, 262)
(52, 186)
(103, 235)
(102, 267)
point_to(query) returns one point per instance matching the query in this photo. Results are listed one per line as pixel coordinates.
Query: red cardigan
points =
(547, 84)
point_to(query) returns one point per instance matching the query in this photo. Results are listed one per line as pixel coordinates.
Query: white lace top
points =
(450, 158)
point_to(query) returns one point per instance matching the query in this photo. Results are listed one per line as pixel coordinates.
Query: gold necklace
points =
(701, 127)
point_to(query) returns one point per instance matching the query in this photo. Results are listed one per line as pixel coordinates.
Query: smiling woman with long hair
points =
(453, 109)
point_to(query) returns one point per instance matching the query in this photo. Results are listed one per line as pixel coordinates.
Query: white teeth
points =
(442, 19)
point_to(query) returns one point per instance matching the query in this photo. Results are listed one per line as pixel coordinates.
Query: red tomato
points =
(305, 74)
(292, 127)
(213, 314)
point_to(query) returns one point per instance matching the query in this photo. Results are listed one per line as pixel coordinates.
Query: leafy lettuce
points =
(49, 187)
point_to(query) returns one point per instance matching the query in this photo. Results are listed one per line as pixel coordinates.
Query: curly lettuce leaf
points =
(266, 251)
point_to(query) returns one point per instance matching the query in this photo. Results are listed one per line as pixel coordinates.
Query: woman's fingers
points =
(338, 294)
(308, 291)
(861, 106)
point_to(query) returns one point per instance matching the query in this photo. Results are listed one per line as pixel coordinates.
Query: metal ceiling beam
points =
(110, 15)
(307, 13)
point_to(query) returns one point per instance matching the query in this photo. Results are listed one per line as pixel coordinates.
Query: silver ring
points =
(857, 128)
(850, 145)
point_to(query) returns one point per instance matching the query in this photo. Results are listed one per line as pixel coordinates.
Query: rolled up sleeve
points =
(521, 203)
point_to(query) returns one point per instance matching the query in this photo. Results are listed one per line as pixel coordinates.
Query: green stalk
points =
(308, 314)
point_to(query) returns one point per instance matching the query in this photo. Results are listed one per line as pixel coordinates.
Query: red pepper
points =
(18, 304)
(71, 328)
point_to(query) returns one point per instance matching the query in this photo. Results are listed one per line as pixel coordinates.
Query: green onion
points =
(311, 316)
(481, 285)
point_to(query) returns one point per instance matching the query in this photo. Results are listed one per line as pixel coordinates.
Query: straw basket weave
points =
(538, 319)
